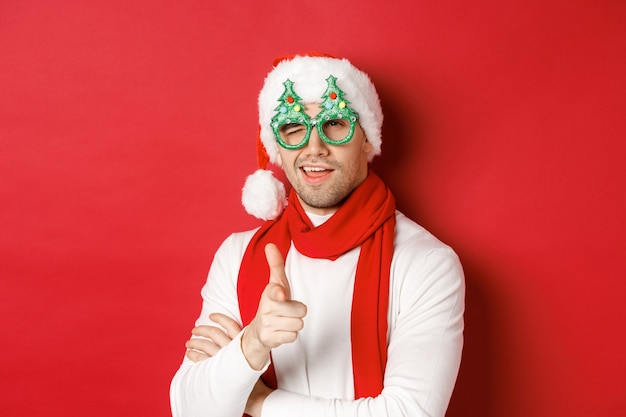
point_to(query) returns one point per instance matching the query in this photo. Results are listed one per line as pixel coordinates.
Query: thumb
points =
(277, 272)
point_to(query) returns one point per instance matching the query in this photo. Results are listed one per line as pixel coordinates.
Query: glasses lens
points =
(336, 129)
(292, 133)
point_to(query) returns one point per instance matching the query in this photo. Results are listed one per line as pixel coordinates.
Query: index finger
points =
(277, 268)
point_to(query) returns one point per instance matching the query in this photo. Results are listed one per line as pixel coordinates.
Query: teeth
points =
(313, 169)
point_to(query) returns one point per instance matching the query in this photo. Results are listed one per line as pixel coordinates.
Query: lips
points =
(315, 174)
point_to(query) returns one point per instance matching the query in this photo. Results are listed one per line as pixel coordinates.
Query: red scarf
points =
(366, 219)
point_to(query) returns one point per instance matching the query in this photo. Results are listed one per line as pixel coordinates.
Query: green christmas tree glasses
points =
(335, 123)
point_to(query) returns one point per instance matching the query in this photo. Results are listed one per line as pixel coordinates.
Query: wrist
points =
(260, 392)
(255, 352)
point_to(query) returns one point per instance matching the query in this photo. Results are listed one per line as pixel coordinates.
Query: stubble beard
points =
(328, 194)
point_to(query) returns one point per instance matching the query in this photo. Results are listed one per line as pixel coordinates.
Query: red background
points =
(127, 129)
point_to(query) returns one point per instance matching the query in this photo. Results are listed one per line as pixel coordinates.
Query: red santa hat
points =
(263, 195)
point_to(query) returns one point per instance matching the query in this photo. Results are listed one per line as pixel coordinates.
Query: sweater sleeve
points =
(218, 386)
(424, 352)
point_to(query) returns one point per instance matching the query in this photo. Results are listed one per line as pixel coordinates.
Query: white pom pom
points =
(263, 195)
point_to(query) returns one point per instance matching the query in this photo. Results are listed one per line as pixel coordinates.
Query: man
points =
(340, 305)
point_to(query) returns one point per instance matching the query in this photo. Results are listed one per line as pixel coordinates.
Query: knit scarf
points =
(367, 219)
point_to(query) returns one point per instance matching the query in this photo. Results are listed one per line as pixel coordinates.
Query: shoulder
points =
(234, 246)
(237, 241)
(414, 238)
(420, 258)
(226, 262)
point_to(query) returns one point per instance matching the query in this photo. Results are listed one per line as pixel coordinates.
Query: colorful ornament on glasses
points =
(334, 108)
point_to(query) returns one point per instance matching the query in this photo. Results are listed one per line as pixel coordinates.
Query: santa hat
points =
(263, 195)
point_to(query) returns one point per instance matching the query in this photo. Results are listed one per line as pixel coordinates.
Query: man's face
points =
(323, 175)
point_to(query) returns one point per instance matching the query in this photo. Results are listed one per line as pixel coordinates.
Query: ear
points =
(367, 146)
(279, 160)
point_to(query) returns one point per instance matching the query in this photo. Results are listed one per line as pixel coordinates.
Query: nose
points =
(316, 145)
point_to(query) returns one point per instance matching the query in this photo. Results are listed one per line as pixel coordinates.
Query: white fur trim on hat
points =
(263, 195)
(309, 74)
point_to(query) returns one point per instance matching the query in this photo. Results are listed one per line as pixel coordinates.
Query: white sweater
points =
(314, 374)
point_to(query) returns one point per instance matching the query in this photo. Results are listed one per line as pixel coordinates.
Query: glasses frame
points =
(323, 117)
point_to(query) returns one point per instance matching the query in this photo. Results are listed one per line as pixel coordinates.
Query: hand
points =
(254, 405)
(214, 338)
(278, 319)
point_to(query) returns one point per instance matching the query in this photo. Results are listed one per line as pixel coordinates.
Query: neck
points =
(318, 211)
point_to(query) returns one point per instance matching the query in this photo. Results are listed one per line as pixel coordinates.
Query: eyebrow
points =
(290, 125)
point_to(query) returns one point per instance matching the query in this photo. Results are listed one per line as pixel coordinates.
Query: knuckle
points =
(211, 332)
(291, 337)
